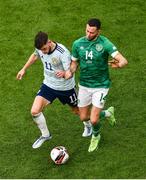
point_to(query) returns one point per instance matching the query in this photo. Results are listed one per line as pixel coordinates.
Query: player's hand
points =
(60, 73)
(68, 74)
(113, 63)
(20, 74)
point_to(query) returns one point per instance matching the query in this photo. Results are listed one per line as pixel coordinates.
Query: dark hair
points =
(41, 39)
(94, 22)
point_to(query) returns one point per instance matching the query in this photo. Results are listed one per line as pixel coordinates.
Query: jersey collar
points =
(53, 49)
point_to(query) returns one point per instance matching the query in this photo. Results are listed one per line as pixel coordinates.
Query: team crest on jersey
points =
(55, 61)
(99, 47)
(81, 47)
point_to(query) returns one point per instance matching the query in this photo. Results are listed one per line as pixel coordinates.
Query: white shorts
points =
(94, 96)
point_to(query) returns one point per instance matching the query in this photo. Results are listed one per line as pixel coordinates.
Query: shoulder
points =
(79, 41)
(104, 39)
(61, 48)
(82, 39)
(108, 45)
(38, 52)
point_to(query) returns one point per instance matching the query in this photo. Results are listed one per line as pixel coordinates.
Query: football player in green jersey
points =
(91, 53)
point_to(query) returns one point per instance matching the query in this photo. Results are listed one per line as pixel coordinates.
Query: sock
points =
(96, 129)
(41, 123)
(87, 123)
(104, 114)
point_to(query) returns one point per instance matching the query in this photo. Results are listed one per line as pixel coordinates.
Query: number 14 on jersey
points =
(89, 54)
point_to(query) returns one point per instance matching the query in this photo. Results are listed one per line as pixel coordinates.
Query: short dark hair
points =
(41, 39)
(94, 22)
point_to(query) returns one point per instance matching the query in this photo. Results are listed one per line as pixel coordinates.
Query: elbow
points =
(126, 62)
(122, 64)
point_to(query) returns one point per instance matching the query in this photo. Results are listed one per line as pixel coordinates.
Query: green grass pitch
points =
(122, 152)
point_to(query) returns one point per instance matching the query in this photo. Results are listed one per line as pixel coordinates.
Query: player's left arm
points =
(118, 61)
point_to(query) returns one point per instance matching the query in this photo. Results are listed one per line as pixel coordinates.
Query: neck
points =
(93, 39)
(53, 45)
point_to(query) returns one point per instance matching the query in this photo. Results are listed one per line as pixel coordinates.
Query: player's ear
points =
(49, 41)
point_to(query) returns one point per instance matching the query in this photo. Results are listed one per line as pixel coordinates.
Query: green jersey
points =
(93, 60)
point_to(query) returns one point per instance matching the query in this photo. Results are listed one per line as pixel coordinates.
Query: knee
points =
(83, 117)
(94, 120)
(34, 112)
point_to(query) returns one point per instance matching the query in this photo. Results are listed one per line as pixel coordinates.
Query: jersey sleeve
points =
(66, 60)
(36, 52)
(75, 55)
(110, 48)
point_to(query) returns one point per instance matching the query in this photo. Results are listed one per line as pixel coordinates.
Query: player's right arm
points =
(30, 61)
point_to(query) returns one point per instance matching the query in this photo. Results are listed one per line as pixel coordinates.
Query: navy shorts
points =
(65, 97)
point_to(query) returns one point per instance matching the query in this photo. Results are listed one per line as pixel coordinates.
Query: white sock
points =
(41, 123)
(107, 113)
(87, 123)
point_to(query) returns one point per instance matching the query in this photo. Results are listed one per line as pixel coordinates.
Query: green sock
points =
(102, 114)
(96, 129)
